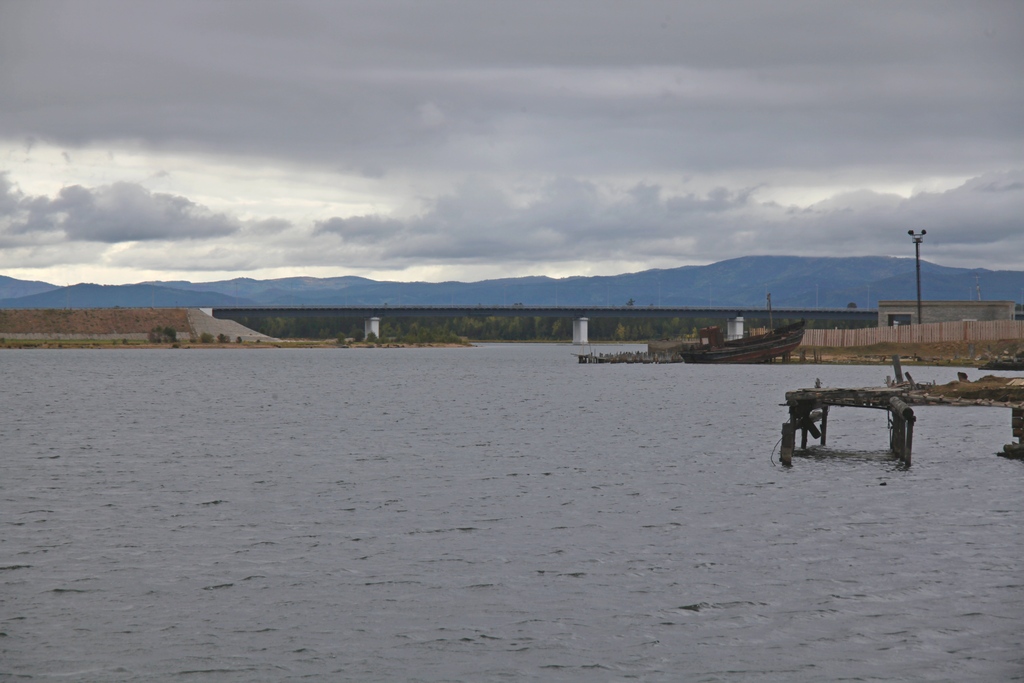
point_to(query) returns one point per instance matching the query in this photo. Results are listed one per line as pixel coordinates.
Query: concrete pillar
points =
(579, 331)
(734, 328)
(371, 325)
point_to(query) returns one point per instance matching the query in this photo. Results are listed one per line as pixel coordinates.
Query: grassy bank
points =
(97, 321)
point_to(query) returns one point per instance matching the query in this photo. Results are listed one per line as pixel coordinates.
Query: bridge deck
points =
(455, 311)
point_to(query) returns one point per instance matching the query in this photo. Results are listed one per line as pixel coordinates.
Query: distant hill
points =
(792, 280)
(11, 288)
(123, 296)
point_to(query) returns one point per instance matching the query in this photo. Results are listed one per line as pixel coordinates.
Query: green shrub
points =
(206, 338)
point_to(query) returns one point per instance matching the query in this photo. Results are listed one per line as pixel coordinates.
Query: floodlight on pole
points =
(918, 237)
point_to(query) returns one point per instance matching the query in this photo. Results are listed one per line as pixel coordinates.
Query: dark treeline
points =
(441, 330)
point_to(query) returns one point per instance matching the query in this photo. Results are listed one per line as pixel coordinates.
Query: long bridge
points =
(581, 315)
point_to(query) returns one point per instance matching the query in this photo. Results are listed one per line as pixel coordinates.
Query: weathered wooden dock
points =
(629, 357)
(809, 407)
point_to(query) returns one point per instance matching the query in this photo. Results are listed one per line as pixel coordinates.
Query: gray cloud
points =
(122, 212)
(572, 219)
(360, 229)
(565, 88)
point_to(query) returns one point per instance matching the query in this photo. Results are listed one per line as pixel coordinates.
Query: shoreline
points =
(959, 354)
(37, 343)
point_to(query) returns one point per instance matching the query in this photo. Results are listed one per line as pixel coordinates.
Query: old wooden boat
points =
(760, 348)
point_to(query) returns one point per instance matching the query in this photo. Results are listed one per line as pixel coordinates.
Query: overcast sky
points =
(466, 140)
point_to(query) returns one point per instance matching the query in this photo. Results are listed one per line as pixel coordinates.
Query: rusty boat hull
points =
(763, 348)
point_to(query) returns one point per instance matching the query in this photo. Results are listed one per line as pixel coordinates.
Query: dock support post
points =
(909, 442)
(897, 368)
(579, 331)
(894, 435)
(1015, 450)
(788, 442)
(824, 423)
(371, 326)
(902, 429)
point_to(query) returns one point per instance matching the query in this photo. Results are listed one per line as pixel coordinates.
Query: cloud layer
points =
(396, 136)
(565, 221)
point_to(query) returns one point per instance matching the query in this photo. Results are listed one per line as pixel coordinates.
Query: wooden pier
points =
(809, 407)
(630, 357)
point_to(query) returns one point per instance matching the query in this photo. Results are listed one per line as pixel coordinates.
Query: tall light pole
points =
(917, 255)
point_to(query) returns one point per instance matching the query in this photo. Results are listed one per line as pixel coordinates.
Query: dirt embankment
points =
(92, 321)
(939, 353)
(990, 387)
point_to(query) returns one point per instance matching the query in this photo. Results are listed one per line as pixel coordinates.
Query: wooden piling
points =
(895, 434)
(788, 441)
(1016, 450)
(897, 368)
(903, 420)
(824, 423)
(909, 443)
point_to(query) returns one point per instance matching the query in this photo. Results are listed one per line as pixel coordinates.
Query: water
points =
(489, 514)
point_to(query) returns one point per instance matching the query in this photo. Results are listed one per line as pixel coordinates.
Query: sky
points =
(464, 140)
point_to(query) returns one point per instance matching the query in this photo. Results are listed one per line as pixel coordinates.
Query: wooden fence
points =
(962, 331)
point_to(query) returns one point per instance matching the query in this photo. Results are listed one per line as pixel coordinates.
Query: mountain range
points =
(794, 281)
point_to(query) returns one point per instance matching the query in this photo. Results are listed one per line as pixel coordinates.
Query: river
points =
(497, 513)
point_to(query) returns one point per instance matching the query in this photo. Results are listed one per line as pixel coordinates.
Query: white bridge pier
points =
(734, 328)
(579, 331)
(371, 326)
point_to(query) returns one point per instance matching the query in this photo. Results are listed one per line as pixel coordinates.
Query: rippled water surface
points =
(487, 514)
